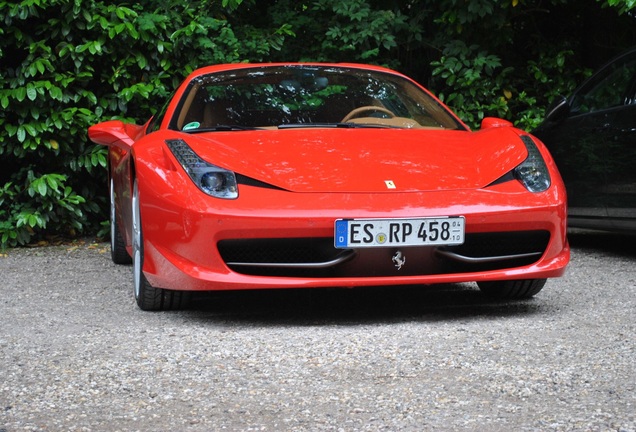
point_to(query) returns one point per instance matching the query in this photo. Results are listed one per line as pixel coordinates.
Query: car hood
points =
(365, 160)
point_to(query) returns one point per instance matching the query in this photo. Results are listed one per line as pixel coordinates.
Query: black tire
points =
(512, 289)
(118, 252)
(149, 298)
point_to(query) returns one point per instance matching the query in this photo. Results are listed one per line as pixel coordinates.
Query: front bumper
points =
(193, 242)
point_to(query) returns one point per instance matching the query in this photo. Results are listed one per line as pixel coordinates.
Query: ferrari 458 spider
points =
(327, 175)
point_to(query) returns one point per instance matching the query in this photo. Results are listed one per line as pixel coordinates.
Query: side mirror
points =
(114, 133)
(557, 110)
(494, 122)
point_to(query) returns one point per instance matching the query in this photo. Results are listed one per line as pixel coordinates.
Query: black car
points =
(592, 136)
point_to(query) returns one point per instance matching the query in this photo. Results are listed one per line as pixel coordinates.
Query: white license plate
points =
(359, 233)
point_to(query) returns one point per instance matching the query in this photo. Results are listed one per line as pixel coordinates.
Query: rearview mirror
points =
(492, 122)
(114, 132)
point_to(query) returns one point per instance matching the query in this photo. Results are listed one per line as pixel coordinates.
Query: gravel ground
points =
(77, 355)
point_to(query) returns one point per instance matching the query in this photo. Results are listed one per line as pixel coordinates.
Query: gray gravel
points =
(77, 355)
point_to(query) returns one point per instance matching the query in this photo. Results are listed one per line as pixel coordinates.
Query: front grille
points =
(279, 251)
(492, 251)
(481, 245)
(317, 257)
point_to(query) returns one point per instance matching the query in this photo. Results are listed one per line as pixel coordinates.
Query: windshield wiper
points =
(221, 128)
(332, 125)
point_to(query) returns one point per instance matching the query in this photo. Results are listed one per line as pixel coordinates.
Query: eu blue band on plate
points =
(342, 229)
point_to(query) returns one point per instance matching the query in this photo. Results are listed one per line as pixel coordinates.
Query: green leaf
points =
(33, 221)
(20, 93)
(56, 93)
(21, 134)
(30, 129)
(31, 92)
(141, 60)
(41, 187)
(51, 181)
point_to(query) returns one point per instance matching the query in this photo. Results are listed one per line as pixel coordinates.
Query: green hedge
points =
(67, 64)
(70, 64)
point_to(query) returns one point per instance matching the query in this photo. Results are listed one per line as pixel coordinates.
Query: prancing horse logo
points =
(399, 260)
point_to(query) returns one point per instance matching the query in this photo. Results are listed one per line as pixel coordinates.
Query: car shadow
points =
(359, 306)
(389, 304)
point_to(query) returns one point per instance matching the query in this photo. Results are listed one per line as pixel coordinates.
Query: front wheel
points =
(148, 297)
(512, 289)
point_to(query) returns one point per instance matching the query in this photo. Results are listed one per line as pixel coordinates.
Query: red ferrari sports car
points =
(327, 175)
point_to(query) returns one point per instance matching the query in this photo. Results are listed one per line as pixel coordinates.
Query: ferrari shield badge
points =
(389, 184)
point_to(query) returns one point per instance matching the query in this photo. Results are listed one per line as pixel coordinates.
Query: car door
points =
(620, 192)
(594, 143)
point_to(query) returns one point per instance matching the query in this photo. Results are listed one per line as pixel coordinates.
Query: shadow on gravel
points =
(388, 304)
(355, 306)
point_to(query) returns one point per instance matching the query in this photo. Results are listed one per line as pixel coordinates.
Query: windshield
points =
(306, 96)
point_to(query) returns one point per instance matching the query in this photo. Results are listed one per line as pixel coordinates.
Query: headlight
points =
(533, 172)
(212, 180)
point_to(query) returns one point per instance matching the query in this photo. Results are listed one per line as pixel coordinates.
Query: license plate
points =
(359, 233)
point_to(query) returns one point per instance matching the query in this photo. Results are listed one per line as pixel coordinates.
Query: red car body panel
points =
(318, 175)
(360, 160)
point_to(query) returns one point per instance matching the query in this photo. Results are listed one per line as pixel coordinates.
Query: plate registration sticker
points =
(359, 233)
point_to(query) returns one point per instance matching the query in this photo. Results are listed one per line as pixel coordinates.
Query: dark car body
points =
(592, 137)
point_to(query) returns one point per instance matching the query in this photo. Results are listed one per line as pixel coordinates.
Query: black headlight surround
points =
(533, 172)
(200, 171)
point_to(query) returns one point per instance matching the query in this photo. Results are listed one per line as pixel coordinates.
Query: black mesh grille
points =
(303, 250)
(484, 245)
(497, 244)
(377, 262)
